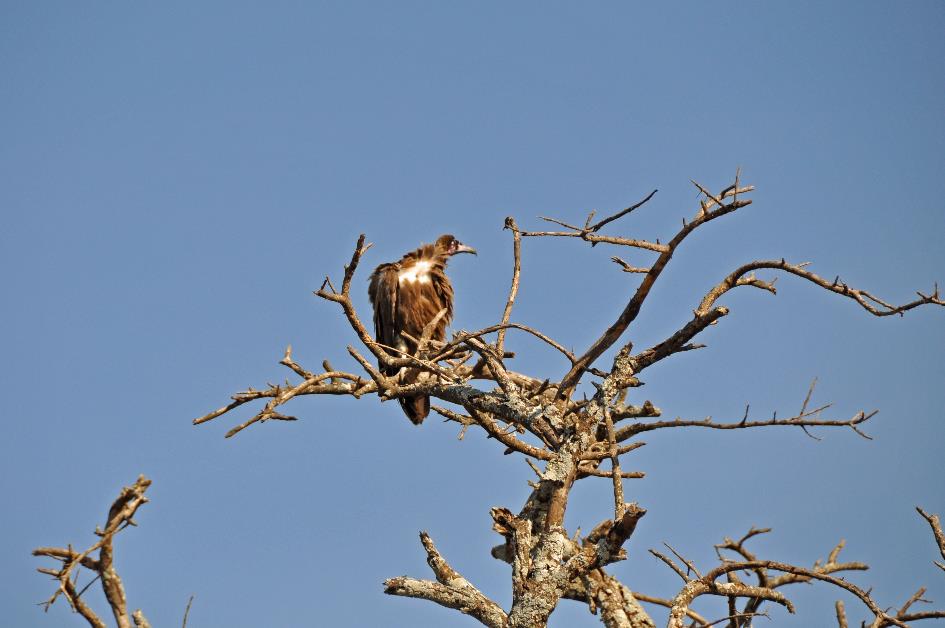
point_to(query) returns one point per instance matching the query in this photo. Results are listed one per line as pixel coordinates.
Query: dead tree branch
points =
(872, 304)
(806, 417)
(450, 589)
(120, 516)
(632, 309)
(516, 273)
(936, 526)
(821, 570)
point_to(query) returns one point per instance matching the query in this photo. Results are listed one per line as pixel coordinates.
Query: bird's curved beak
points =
(462, 248)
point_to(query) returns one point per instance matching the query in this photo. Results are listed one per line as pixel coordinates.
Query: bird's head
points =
(449, 245)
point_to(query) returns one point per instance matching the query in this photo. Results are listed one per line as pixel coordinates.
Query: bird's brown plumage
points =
(407, 295)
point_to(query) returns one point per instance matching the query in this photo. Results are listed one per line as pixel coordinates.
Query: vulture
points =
(406, 296)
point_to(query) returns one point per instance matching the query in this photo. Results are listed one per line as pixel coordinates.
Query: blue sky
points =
(178, 177)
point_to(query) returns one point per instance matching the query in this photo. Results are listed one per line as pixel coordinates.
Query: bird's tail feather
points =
(416, 408)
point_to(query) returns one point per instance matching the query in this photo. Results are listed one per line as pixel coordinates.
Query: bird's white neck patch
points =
(418, 273)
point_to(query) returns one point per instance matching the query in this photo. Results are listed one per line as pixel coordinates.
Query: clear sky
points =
(177, 177)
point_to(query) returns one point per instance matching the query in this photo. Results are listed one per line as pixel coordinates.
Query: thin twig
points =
(516, 272)
(187, 612)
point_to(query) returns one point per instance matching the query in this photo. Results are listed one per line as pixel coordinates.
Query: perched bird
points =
(407, 295)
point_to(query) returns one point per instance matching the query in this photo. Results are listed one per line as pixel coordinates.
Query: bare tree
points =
(571, 437)
(566, 437)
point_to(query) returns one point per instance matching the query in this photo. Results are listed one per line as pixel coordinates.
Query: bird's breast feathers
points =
(418, 272)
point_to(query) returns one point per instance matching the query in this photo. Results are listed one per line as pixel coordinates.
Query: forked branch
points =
(707, 213)
(773, 575)
(120, 516)
(450, 589)
(872, 304)
(805, 418)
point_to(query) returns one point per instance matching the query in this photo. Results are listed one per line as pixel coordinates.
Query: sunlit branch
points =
(872, 304)
(516, 273)
(120, 516)
(450, 589)
(632, 309)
